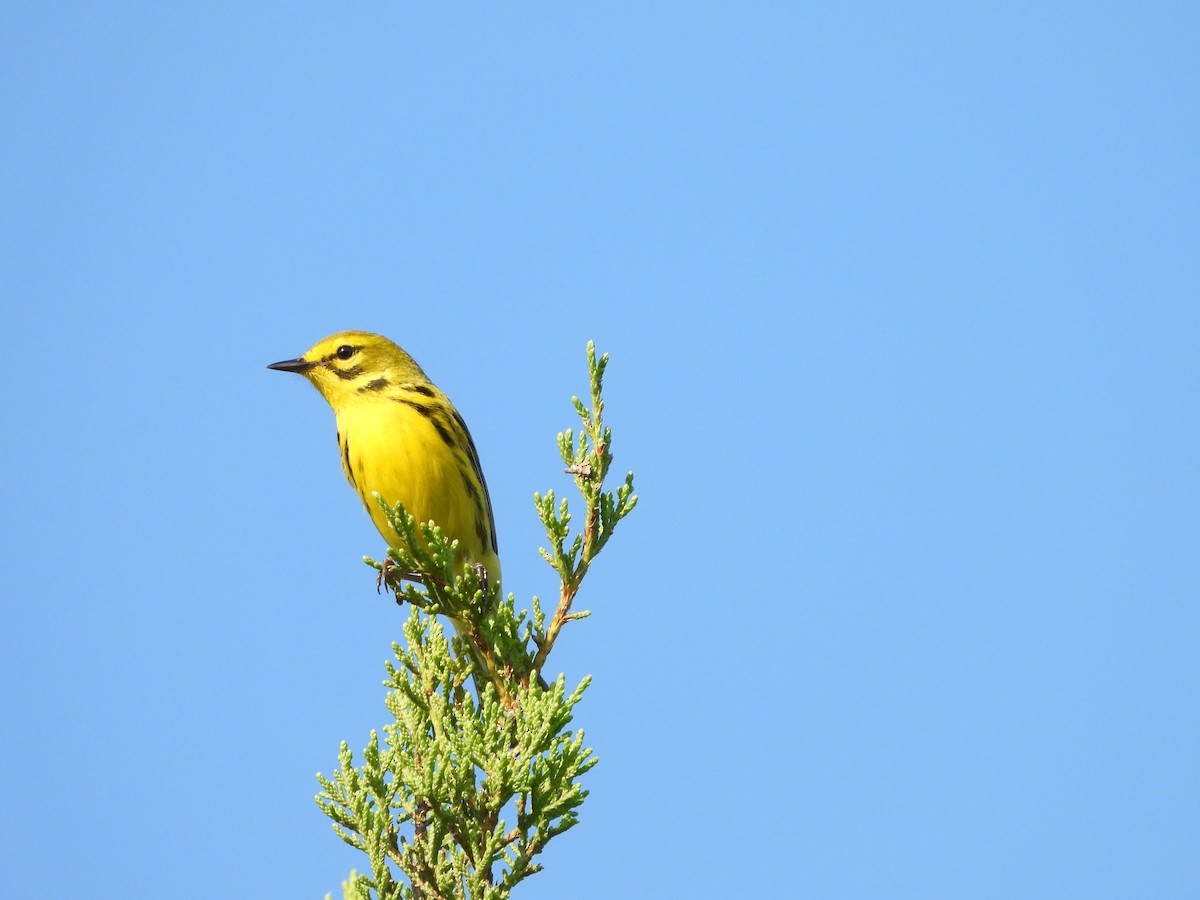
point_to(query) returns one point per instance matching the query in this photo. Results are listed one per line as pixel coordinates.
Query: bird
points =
(400, 436)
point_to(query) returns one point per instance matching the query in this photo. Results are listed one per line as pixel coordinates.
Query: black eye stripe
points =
(345, 374)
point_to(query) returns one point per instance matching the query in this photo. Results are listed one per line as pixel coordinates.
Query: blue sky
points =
(902, 310)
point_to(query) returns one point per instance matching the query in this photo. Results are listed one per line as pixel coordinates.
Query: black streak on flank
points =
(469, 484)
(423, 389)
(443, 432)
(426, 411)
(474, 454)
(346, 458)
(480, 510)
(377, 385)
(429, 413)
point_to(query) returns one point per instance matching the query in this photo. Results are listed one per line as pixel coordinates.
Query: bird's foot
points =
(390, 574)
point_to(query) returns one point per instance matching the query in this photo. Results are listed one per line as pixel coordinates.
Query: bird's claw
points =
(384, 573)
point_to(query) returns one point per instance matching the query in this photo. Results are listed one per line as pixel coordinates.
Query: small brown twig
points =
(420, 831)
(569, 588)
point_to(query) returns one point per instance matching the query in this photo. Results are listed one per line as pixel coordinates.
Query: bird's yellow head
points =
(352, 364)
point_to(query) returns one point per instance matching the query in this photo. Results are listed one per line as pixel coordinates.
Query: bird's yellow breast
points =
(412, 453)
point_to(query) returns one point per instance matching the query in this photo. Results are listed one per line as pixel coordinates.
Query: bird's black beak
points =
(293, 365)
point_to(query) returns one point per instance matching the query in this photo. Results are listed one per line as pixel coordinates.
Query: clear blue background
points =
(902, 305)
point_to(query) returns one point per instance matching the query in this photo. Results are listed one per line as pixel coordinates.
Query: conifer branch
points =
(588, 457)
(466, 790)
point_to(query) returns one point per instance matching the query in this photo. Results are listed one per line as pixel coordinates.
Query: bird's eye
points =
(346, 351)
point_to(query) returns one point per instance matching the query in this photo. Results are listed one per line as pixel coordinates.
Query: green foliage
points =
(466, 789)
